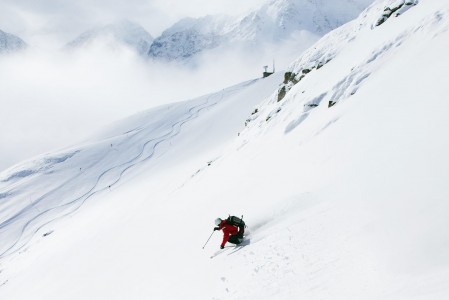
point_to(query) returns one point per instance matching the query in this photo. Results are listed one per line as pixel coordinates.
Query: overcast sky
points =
(53, 21)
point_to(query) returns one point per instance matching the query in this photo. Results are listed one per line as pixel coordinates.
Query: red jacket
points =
(228, 230)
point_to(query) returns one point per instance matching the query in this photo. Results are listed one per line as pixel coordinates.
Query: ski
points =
(221, 251)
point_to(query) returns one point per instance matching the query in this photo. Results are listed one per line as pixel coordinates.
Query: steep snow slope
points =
(100, 165)
(10, 42)
(351, 200)
(274, 22)
(123, 32)
(342, 202)
(37, 194)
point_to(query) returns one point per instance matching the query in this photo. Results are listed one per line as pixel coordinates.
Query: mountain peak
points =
(10, 42)
(124, 31)
(275, 21)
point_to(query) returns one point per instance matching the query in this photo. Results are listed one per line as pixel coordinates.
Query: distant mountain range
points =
(123, 32)
(274, 22)
(10, 43)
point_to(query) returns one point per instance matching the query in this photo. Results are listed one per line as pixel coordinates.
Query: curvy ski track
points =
(31, 226)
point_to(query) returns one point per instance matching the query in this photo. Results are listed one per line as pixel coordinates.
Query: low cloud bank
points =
(54, 99)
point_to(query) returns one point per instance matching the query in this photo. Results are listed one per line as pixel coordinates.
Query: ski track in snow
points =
(72, 206)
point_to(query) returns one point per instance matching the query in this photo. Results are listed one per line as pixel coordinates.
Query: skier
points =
(231, 233)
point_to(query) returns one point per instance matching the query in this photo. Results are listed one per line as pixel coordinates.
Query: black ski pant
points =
(235, 239)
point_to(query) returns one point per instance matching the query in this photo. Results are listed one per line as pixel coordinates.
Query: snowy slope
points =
(37, 194)
(10, 42)
(123, 32)
(354, 205)
(342, 202)
(274, 22)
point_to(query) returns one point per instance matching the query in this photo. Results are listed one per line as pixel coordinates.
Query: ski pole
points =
(208, 239)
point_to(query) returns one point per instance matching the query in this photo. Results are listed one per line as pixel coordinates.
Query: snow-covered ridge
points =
(325, 49)
(124, 32)
(273, 22)
(330, 47)
(10, 43)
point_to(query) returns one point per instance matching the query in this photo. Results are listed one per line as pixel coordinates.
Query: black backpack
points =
(235, 221)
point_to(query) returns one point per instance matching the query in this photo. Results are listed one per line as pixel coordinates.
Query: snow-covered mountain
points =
(122, 32)
(10, 43)
(273, 22)
(340, 171)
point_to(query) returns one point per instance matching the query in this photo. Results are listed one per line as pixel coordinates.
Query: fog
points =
(51, 24)
(53, 99)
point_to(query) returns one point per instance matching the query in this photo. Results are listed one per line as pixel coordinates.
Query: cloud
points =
(50, 24)
(46, 23)
(54, 99)
(51, 99)
(197, 8)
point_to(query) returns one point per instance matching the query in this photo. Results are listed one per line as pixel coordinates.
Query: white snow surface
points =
(341, 202)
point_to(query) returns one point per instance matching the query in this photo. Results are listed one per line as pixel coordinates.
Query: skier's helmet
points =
(218, 221)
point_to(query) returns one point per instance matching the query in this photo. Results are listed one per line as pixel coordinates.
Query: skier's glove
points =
(221, 247)
(216, 228)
